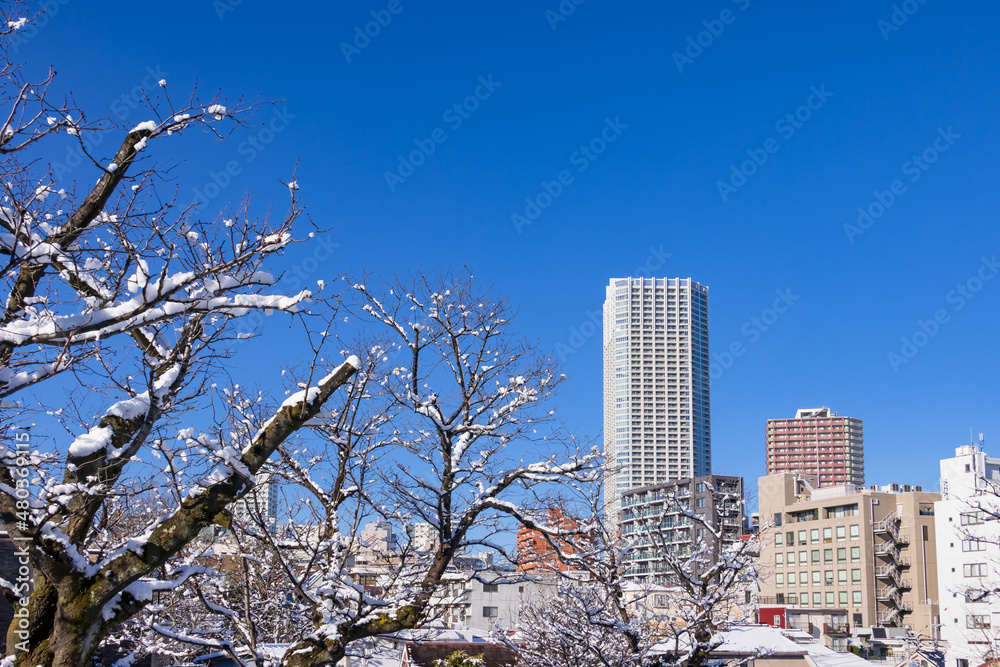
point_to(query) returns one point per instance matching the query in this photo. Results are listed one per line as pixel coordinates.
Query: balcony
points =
(839, 628)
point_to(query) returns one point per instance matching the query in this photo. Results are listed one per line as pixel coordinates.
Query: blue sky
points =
(869, 96)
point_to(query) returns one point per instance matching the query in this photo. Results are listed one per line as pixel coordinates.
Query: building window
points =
(841, 530)
(816, 577)
(803, 557)
(855, 532)
(491, 588)
(792, 599)
(856, 576)
(856, 595)
(842, 555)
(779, 580)
(817, 599)
(789, 539)
(829, 599)
(491, 612)
(842, 577)
(814, 535)
(973, 595)
(973, 518)
(973, 545)
(815, 555)
(802, 537)
(777, 539)
(791, 558)
(827, 535)
(842, 598)
(700, 502)
(779, 560)
(660, 600)
(974, 569)
(804, 578)
(855, 554)
(977, 621)
(827, 555)
(828, 577)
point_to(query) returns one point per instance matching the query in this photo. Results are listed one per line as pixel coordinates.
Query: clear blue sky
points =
(884, 95)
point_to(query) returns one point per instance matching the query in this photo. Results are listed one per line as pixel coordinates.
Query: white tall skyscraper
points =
(657, 418)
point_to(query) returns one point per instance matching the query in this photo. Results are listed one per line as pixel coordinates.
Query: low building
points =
(535, 553)
(763, 646)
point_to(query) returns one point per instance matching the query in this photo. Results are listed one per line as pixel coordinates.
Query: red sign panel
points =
(773, 616)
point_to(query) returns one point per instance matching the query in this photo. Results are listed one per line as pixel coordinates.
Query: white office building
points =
(657, 419)
(261, 502)
(969, 556)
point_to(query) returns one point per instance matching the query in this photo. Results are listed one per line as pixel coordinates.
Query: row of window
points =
(781, 559)
(819, 578)
(831, 598)
(788, 539)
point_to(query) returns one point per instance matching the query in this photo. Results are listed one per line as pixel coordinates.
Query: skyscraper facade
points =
(820, 443)
(657, 416)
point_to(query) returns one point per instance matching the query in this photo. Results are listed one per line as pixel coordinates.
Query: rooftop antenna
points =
(982, 441)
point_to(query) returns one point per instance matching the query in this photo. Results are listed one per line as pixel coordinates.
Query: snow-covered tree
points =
(436, 429)
(602, 617)
(120, 309)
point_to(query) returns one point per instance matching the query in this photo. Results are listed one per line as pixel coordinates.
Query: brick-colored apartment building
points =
(820, 443)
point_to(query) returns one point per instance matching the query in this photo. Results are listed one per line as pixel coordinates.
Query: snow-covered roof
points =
(765, 640)
(757, 640)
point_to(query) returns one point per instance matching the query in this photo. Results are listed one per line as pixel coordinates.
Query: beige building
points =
(869, 551)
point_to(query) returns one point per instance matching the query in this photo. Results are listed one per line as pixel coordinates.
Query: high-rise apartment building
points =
(657, 418)
(969, 556)
(817, 442)
(869, 552)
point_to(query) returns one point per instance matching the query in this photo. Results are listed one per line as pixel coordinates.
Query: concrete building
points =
(969, 556)
(657, 517)
(657, 416)
(868, 550)
(261, 501)
(379, 537)
(423, 537)
(820, 443)
(490, 602)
